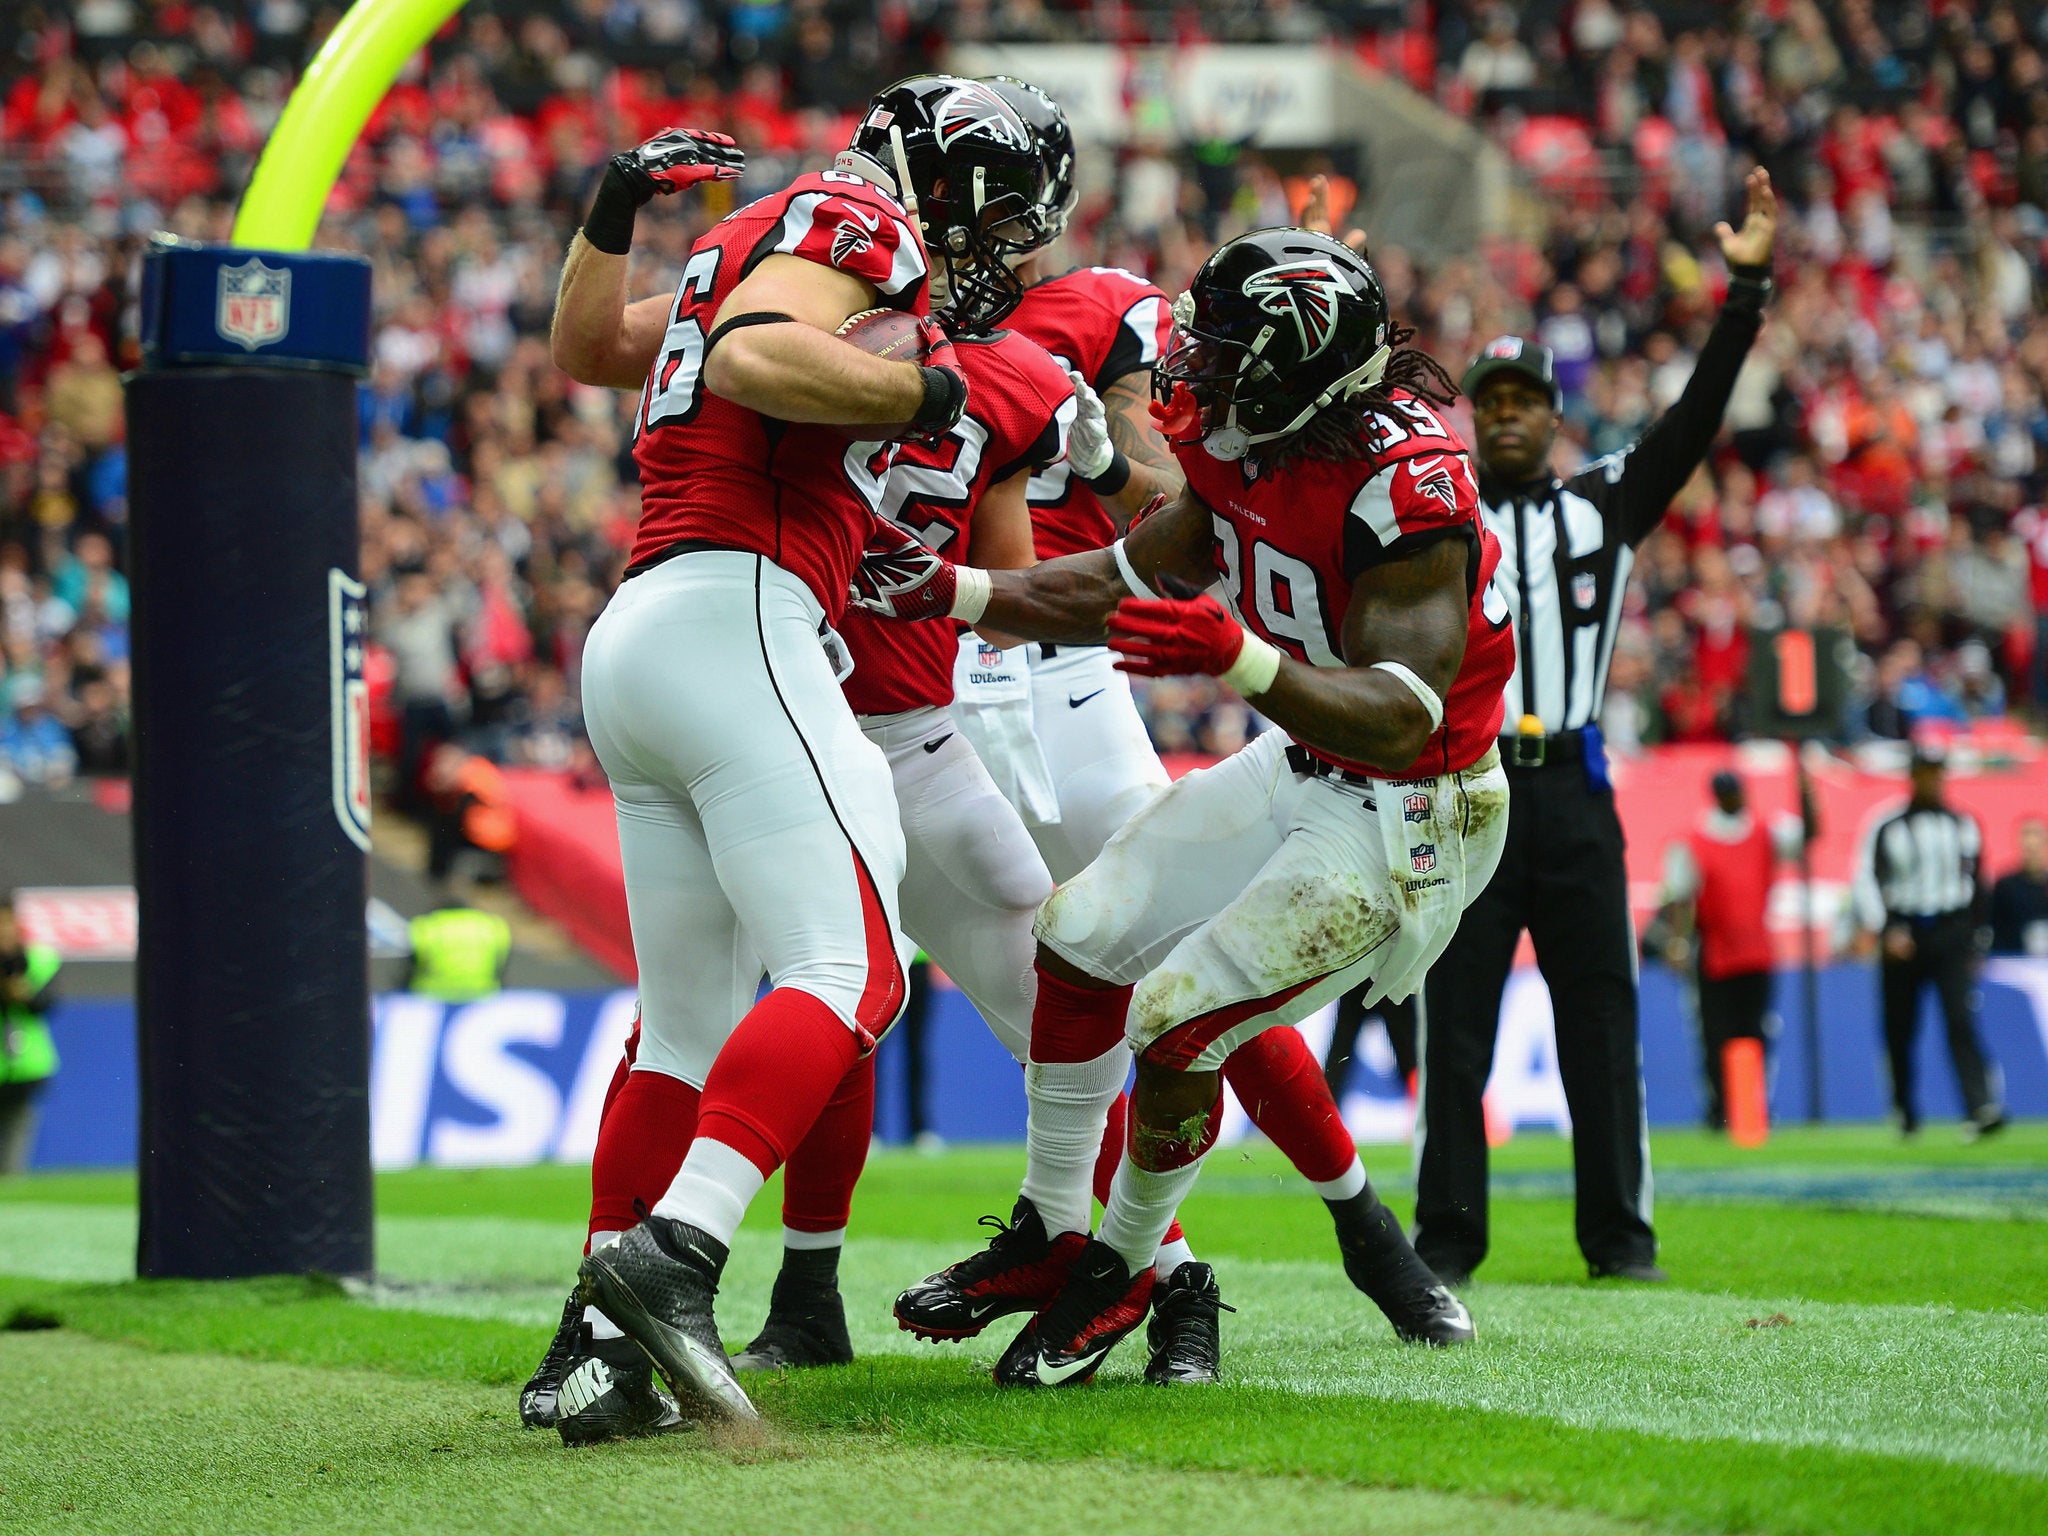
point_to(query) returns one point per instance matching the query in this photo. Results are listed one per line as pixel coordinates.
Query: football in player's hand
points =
(890, 334)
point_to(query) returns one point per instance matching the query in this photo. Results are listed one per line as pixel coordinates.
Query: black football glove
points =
(673, 159)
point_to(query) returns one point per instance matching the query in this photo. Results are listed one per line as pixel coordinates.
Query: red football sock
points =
(817, 1184)
(646, 1129)
(1073, 1023)
(1112, 1147)
(1278, 1080)
(776, 1073)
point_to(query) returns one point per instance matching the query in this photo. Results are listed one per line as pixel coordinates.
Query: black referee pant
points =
(1945, 954)
(1563, 877)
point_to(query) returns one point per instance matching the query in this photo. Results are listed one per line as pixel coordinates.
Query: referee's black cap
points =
(1511, 354)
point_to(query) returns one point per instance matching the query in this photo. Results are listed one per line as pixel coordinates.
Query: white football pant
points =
(757, 825)
(1249, 895)
(972, 881)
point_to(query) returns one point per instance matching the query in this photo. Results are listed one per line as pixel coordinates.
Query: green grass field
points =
(1856, 1340)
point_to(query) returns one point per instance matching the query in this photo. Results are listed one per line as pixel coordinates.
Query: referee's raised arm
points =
(1648, 476)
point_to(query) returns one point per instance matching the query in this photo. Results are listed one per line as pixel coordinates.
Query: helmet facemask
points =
(1230, 379)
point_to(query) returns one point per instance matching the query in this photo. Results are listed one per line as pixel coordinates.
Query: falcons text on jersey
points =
(1019, 407)
(1290, 542)
(718, 474)
(1106, 324)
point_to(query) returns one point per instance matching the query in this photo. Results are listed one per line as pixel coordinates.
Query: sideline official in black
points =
(1566, 551)
(1919, 896)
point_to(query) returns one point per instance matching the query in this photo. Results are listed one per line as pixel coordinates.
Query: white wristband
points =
(971, 595)
(1420, 689)
(1125, 569)
(1255, 668)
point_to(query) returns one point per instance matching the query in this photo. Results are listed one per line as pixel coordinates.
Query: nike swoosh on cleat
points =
(976, 1314)
(1074, 703)
(1053, 1375)
(933, 746)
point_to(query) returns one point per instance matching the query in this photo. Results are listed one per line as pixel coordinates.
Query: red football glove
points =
(1174, 636)
(676, 158)
(898, 578)
(1178, 418)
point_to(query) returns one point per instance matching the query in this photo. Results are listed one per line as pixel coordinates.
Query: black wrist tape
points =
(1114, 478)
(945, 397)
(610, 225)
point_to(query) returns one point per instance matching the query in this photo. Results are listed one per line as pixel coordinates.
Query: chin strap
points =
(1230, 442)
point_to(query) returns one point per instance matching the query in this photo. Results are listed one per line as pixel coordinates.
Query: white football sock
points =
(1171, 1256)
(1345, 1185)
(1069, 1111)
(1141, 1207)
(712, 1189)
(791, 1238)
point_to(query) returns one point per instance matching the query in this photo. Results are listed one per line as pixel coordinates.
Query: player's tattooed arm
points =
(596, 336)
(1413, 612)
(1154, 470)
(1069, 600)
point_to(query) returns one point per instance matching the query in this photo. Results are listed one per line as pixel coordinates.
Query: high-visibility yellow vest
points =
(459, 954)
(27, 1053)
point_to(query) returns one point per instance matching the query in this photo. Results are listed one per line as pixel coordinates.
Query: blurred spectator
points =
(2019, 899)
(33, 742)
(28, 1057)
(1888, 439)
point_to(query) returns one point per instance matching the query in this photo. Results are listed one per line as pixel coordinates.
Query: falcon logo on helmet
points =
(974, 108)
(1305, 292)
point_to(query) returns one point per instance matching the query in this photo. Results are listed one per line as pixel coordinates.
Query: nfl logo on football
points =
(1422, 858)
(989, 655)
(255, 304)
(1415, 807)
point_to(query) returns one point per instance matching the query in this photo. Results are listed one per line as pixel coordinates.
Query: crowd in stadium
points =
(1887, 446)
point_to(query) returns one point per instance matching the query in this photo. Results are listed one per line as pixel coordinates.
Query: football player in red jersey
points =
(1108, 326)
(757, 824)
(1339, 511)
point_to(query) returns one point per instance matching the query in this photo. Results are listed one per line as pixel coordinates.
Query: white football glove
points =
(1089, 449)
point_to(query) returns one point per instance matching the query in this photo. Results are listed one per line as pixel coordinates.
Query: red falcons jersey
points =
(727, 476)
(1106, 324)
(1290, 542)
(1019, 407)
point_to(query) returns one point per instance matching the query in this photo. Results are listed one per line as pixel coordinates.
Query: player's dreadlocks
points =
(1338, 432)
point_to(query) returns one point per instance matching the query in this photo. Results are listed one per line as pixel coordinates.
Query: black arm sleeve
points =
(1635, 490)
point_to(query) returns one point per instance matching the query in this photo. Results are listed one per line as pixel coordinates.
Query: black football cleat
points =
(1185, 1334)
(1065, 1345)
(658, 1283)
(1640, 1270)
(537, 1398)
(1020, 1270)
(806, 1327)
(1380, 1262)
(609, 1394)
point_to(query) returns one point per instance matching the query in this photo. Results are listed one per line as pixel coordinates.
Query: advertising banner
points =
(520, 1077)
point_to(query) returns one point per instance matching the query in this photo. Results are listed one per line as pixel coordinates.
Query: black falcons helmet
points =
(1278, 324)
(974, 180)
(1055, 140)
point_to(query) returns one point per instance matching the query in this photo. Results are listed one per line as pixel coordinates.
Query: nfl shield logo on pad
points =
(1585, 587)
(255, 305)
(347, 629)
(1415, 807)
(1422, 858)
